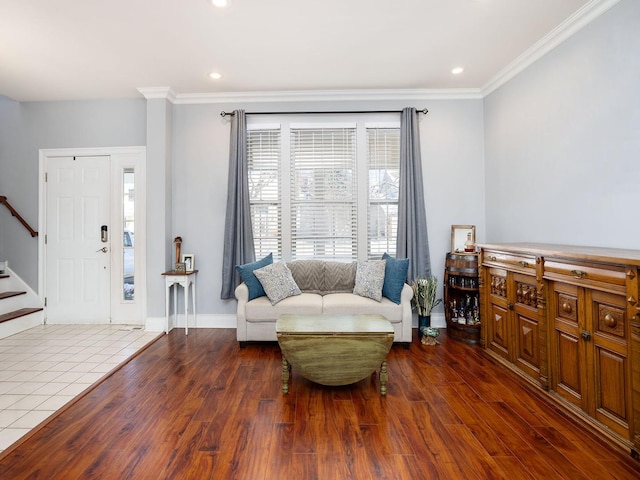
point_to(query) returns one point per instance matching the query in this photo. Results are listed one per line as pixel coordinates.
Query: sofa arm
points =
(407, 315)
(242, 295)
(242, 292)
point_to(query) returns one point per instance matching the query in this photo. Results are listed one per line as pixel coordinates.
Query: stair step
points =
(10, 294)
(18, 313)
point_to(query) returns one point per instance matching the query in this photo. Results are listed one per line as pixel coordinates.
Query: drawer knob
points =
(578, 273)
(492, 258)
(523, 264)
(610, 321)
(566, 307)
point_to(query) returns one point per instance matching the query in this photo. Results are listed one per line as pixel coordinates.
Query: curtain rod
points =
(224, 114)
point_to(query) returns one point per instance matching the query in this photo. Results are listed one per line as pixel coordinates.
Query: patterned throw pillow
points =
(369, 279)
(246, 273)
(308, 275)
(339, 277)
(277, 281)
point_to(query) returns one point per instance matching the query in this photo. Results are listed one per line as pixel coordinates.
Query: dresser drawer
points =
(510, 261)
(593, 274)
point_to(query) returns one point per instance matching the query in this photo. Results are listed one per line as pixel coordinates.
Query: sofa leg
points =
(242, 344)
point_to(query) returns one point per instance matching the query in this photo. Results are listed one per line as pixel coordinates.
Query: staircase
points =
(20, 307)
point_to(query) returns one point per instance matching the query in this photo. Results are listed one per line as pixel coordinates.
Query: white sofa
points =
(327, 287)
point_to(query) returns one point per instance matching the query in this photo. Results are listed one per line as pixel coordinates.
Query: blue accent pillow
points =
(395, 275)
(248, 277)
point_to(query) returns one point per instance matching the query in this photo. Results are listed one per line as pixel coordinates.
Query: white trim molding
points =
(156, 324)
(580, 19)
(167, 93)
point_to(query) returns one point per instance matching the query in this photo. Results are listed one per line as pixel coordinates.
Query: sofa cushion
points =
(348, 303)
(246, 273)
(261, 310)
(369, 279)
(277, 282)
(308, 275)
(395, 274)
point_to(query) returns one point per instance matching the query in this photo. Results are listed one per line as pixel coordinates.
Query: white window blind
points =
(384, 170)
(323, 193)
(324, 190)
(263, 155)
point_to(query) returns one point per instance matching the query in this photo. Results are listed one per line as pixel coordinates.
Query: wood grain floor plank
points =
(200, 407)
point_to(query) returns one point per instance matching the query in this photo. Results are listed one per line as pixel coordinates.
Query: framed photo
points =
(189, 262)
(459, 235)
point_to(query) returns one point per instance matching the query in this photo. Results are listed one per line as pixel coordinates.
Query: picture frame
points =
(189, 261)
(459, 237)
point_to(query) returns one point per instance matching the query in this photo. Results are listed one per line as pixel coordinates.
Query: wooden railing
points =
(5, 202)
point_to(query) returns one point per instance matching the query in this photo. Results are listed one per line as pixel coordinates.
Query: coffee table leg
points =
(383, 378)
(286, 368)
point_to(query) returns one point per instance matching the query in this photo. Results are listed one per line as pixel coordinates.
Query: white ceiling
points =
(91, 49)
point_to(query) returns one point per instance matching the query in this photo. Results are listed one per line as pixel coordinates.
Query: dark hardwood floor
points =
(200, 407)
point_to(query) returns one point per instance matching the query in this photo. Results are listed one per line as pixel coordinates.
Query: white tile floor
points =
(43, 368)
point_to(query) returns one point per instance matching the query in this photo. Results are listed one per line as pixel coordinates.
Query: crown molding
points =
(169, 94)
(152, 93)
(328, 96)
(566, 29)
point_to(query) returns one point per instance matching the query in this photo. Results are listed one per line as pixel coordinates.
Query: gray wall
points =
(452, 154)
(563, 141)
(28, 127)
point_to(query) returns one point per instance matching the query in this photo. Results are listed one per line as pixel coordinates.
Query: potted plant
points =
(424, 299)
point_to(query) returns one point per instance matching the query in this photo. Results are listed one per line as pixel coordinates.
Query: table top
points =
(174, 273)
(292, 324)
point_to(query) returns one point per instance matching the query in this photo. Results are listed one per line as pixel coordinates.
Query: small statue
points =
(178, 242)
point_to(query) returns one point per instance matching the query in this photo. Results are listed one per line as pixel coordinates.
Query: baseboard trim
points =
(157, 324)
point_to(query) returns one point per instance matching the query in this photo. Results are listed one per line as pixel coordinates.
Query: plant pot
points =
(424, 321)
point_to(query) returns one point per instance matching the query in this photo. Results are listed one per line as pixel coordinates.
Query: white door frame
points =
(130, 312)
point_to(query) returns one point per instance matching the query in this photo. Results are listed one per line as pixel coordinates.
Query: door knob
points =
(586, 335)
(103, 250)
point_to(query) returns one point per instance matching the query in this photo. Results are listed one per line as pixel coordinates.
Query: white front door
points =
(78, 239)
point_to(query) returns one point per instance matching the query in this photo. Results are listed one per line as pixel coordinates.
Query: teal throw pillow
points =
(248, 277)
(395, 275)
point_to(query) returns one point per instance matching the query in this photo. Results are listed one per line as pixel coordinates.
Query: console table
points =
(186, 280)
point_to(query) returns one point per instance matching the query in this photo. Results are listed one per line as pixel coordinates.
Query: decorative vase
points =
(424, 321)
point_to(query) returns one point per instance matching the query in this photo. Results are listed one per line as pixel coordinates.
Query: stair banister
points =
(5, 202)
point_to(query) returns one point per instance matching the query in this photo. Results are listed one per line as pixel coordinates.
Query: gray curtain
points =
(238, 233)
(412, 241)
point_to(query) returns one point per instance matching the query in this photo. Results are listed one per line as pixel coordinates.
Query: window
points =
(327, 191)
(263, 152)
(384, 178)
(323, 193)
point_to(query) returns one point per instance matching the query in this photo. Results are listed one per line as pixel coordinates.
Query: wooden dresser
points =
(567, 319)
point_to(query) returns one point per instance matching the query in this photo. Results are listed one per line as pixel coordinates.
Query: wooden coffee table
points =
(334, 349)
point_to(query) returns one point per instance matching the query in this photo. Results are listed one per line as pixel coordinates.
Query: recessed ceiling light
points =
(219, 3)
(457, 70)
(215, 75)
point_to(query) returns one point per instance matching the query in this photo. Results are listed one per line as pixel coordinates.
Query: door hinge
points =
(45, 301)
(45, 238)
(46, 177)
